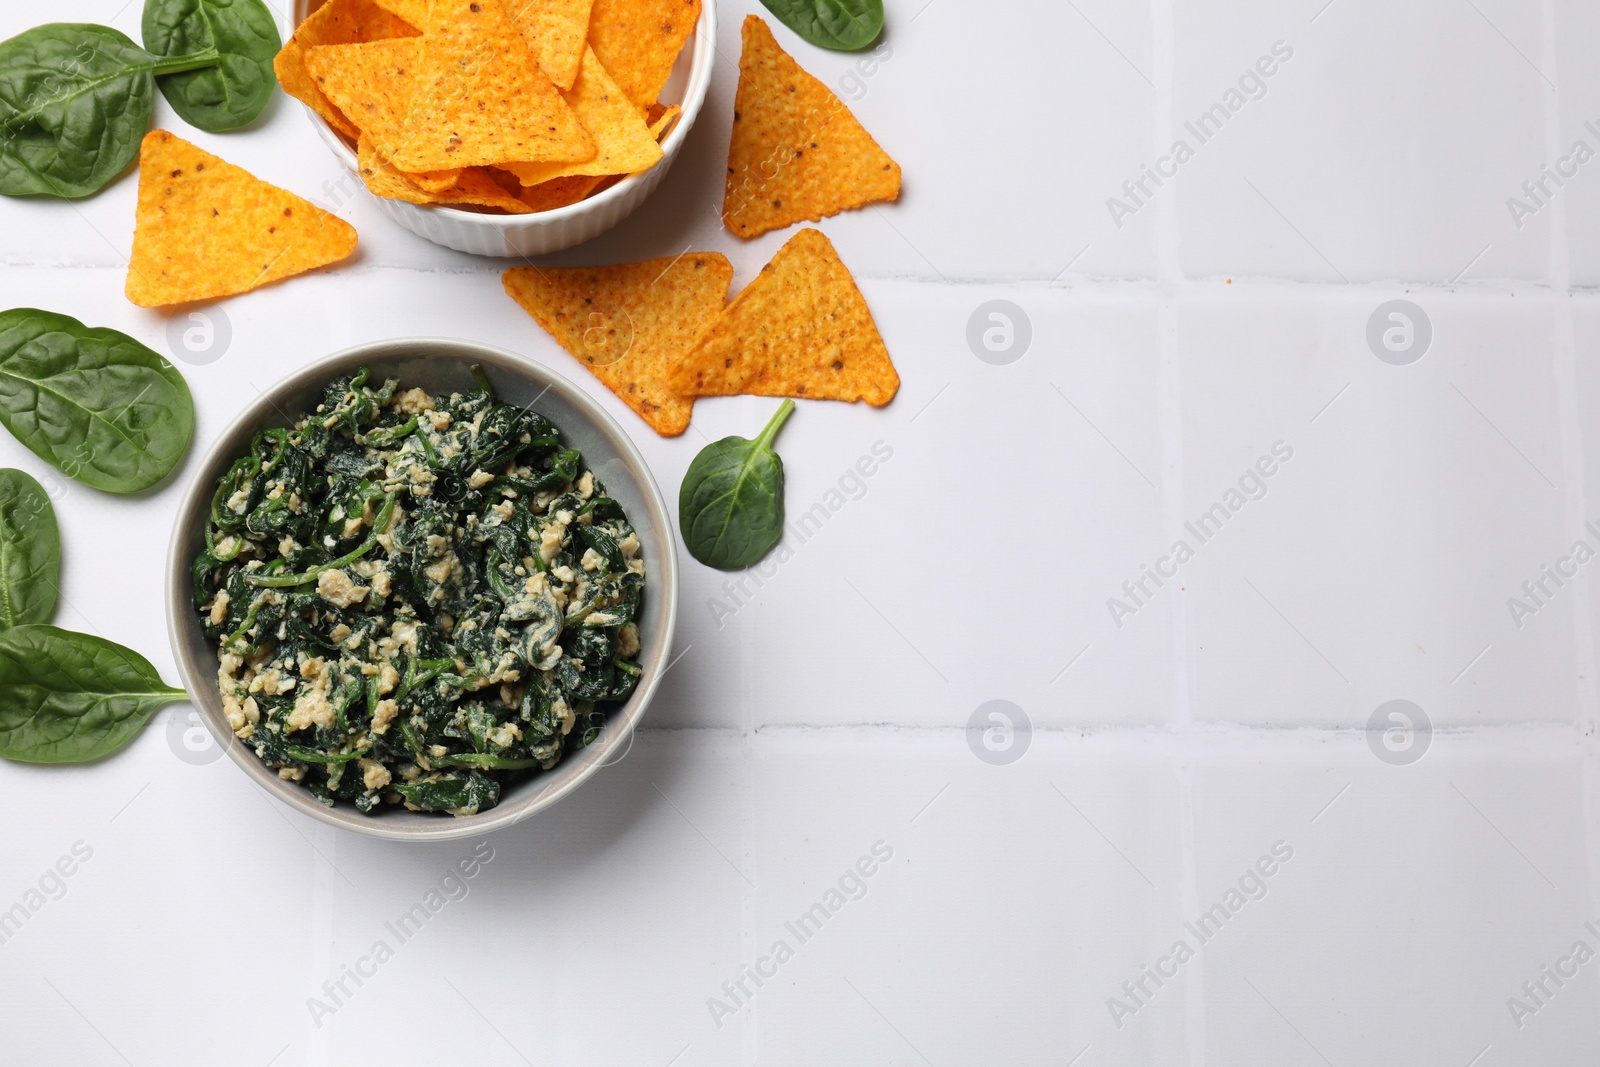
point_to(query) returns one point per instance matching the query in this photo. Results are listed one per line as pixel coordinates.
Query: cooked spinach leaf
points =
(68, 697)
(459, 794)
(843, 25)
(234, 91)
(730, 506)
(94, 403)
(75, 101)
(30, 551)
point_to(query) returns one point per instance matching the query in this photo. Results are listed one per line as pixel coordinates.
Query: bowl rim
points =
(701, 60)
(199, 678)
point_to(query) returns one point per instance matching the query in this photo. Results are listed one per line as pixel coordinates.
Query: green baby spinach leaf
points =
(69, 698)
(30, 551)
(234, 91)
(94, 403)
(75, 101)
(730, 506)
(842, 25)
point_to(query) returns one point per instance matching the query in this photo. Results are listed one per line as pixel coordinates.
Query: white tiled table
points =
(825, 712)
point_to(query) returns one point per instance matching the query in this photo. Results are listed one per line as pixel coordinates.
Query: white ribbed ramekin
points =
(549, 231)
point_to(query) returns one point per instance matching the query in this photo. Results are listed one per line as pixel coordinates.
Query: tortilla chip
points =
(369, 83)
(473, 187)
(555, 30)
(623, 144)
(797, 153)
(477, 189)
(639, 41)
(629, 324)
(662, 119)
(413, 11)
(432, 181)
(560, 192)
(206, 228)
(507, 182)
(479, 97)
(800, 329)
(336, 22)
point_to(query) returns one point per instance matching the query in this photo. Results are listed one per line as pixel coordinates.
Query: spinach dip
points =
(417, 600)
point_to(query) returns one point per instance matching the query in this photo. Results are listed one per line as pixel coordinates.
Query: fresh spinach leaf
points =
(842, 25)
(234, 91)
(75, 101)
(93, 402)
(68, 697)
(730, 506)
(30, 551)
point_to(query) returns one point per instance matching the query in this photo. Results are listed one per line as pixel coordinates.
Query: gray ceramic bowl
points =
(439, 366)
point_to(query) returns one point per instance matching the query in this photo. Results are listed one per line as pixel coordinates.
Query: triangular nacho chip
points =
(370, 83)
(662, 119)
(797, 153)
(479, 97)
(623, 144)
(639, 41)
(800, 329)
(560, 192)
(473, 187)
(555, 30)
(629, 324)
(413, 11)
(432, 181)
(206, 228)
(336, 22)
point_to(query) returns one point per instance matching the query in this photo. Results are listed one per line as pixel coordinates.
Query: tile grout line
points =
(1169, 409)
(1564, 352)
(1163, 737)
(1126, 285)
(1169, 390)
(1194, 988)
(749, 835)
(1164, 62)
(323, 922)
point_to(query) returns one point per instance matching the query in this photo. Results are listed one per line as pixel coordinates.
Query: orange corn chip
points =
(472, 187)
(206, 228)
(561, 192)
(623, 144)
(662, 119)
(797, 152)
(480, 98)
(800, 329)
(556, 31)
(370, 83)
(433, 181)
(478, 189)
(507, 182)
(639, 41)
(629, 324)
(413, 11)
(336, 22)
